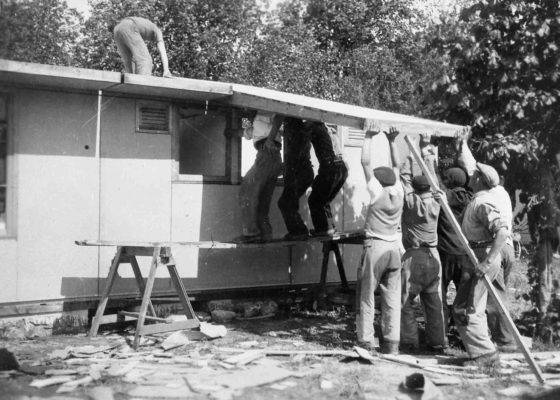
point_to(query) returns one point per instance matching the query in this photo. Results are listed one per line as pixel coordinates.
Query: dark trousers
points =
(451, 269)
(297, 178)
(326, 185)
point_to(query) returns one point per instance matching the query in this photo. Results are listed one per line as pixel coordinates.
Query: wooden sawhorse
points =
(160, 256)
(331, 244)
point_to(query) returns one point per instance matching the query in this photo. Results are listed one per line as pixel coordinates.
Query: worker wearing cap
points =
(452, 255)
(499, 330)
(130, 35)
(486, 229)
(421, 266)
(381, 260)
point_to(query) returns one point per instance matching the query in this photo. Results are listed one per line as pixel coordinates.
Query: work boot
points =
(389, 348)
(296, 236)
(488, 360)
(369, 346)
(507, 348)
(328, 232)
(408, 348)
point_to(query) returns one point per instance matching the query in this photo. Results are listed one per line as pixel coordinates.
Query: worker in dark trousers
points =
(452, 255)
(130, 35)
(298, 176)
(329, 180)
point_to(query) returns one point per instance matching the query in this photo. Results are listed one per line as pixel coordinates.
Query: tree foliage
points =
(42, 31)
(505, 64)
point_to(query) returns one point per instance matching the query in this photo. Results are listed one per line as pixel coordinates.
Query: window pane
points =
(203, 144)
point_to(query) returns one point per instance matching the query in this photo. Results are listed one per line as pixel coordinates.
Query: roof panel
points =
(176, 88)
(333, 112)
(69, 78)
(41, 75)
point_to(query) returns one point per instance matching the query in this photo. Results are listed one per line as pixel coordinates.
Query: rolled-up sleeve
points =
(492, 217)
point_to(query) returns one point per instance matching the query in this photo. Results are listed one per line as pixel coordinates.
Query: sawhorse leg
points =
(105, 296)
(146, 296)
(162, 256)
(327, 248)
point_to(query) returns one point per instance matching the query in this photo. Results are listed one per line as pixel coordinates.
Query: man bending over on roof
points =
(130, 35)
(381, 259)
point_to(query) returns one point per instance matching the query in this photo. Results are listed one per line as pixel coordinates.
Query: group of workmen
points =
(433, 254)
(411, 250)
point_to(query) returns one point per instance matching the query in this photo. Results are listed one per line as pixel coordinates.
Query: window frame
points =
(232, 143)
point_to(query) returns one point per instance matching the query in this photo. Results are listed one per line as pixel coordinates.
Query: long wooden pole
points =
(470, 253)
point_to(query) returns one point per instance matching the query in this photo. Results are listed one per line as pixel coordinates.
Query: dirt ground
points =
(313, 359)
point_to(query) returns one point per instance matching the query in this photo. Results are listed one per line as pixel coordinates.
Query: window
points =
(152, 117)
(203, 143)
(3, 164)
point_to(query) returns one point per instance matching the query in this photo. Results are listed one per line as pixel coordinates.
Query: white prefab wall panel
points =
(135, 177)
(8, 266)
(211, 212)
(57, 194)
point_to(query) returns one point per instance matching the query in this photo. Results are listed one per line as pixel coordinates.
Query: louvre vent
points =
(354, 137)
(152, 118)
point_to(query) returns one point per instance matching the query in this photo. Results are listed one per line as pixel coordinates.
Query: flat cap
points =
(420, 183)
(456, 176)
(489, 174)
(385, 176)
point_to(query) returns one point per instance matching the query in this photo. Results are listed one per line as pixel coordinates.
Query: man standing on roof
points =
(257, 187)
(381, 259)
(298, 176)
(421, 267)
(329, 180)
(130, 35)
(486, 229)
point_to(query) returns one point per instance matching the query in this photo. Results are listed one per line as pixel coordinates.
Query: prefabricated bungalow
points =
(97, 155)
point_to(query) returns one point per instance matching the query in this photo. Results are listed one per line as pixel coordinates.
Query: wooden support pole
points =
(470, 253)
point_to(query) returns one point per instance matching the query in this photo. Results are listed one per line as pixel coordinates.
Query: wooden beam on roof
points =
(176, 88)
(333, 112)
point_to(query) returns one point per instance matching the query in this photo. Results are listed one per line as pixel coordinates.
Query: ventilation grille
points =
(354, 137)
(152, 118)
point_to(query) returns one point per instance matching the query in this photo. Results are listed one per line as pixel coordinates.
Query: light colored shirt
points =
(503, 202)
(384, 211)
(147, 29)
(262, 124)
(482, 218)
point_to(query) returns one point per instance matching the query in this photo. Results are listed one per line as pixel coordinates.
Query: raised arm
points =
(271, 138)
(465, 158)
(164, 60)
(371, 129)
(395, 158)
